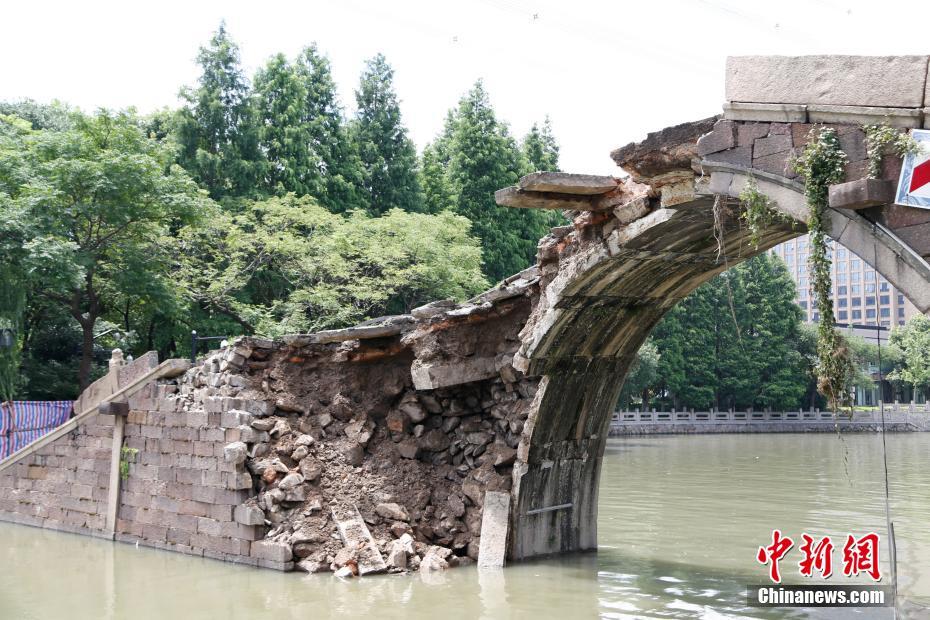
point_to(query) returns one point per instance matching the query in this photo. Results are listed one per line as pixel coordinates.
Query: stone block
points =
(779, 163)
(864, 115)
(677, 193)
(765, 112)
(567, 183)
(519, 199)
(154, 532)
(747, 133)
(232, 529)
(259, 408)
(723, 137)
(428, 376)
(285, 567)
(861, 194)
(887, 81)
(740, 156)
(238, 480)
(204, 494)
(247, 514)
(271, 551)
(771, 145)
(494, 523)
(178, 537)
(916, 237)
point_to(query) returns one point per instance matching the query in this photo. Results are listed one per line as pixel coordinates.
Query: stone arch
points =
(607, 287)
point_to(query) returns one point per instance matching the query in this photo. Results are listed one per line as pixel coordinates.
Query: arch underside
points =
(611, 297)
(603, 317)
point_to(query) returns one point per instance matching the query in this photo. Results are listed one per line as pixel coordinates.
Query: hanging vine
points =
(882, 139)
(822, 163)
(758, 211)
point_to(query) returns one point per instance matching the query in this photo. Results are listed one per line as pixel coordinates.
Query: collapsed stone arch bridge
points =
(513, 390)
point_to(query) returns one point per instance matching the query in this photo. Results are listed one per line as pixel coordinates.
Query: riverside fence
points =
(898, 417)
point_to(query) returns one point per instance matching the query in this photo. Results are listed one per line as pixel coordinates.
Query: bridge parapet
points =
(829, 89)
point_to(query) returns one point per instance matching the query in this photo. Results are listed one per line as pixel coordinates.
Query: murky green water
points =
(680, 521)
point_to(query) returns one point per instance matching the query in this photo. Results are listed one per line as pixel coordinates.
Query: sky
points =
(606, 72)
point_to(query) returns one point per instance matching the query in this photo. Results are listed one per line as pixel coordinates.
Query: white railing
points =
(914, 414)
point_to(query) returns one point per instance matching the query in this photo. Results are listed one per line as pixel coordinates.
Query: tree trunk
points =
(87, 352)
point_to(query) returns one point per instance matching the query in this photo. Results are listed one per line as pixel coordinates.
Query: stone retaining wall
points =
(179, 494)
(250, 455)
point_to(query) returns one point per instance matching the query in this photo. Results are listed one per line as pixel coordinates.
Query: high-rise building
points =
(861, 296)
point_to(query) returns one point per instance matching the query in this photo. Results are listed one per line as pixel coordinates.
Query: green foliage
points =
(706, 359)
(332, 146)
(303, 135)
(217, 128)
(758, 212)
(540, 148)
(127, 456)
(880, 139)
(913, 340)
(97, 203)
(822, 164)
(56, 115)
(388, 156)
(477, 156)
(642, 376)
(287, 265)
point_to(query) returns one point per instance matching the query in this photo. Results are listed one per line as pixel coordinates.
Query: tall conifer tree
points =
(387, 153)
(217, 128)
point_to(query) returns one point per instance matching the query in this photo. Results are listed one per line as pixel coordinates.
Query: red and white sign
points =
(914, 184)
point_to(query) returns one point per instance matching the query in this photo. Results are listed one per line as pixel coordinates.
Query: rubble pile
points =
(320, 439)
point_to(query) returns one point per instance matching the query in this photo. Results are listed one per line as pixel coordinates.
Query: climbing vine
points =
(127, 456)
(880, 139)
(822, 163)
(758, 211)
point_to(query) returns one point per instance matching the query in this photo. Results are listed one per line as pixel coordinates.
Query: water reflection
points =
(680, 519)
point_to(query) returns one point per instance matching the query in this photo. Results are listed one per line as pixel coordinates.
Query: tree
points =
(914, 342)
(438, 194)
(14, 230)
(734, 342)
(388, 156)
(333, 155)
(280, 100)
(217, 128)
(481, 158)
(98, 202)
(56, 115)
(641, 377)
(287, 265)
(540, 148)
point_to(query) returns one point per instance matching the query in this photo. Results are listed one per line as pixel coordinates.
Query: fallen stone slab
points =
(567, 183)
(355, 535)
(429, 376)
(433, 308)
(494, 520)
(521, 199)
(364, 332)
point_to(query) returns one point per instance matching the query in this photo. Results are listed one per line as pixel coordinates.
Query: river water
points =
(681, 518)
